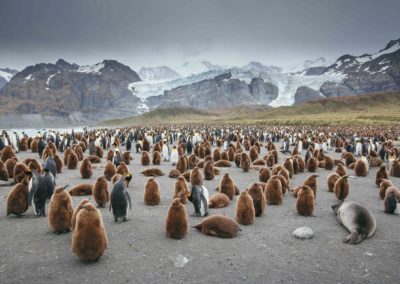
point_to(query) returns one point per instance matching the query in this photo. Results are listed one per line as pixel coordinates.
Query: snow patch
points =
(7, 76)
(48, 79)
(91, 68)
(29, 77)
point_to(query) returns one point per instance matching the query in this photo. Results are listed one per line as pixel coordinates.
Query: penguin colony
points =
(107, 183)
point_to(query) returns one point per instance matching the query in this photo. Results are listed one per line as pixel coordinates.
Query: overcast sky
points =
(170, 32)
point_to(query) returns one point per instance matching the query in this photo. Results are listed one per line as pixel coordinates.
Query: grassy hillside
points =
(382, 109)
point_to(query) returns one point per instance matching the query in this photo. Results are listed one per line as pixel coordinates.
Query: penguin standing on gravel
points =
(120, 199)
(198, 195)
(51, 166)
(41, 187)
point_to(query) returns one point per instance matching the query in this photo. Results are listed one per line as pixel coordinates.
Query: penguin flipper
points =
(128, 197)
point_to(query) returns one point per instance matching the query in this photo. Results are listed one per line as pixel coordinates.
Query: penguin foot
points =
(195, 214)
(125, 220)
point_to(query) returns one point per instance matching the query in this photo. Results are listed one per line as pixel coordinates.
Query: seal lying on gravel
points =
(357, 219)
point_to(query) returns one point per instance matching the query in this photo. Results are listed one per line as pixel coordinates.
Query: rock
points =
(180, 261)
(306, 94)
(303, 233)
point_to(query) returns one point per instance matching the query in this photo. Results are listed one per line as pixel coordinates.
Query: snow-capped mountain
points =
(304, 65)
(157, 73)
(5, 75)
(188, 69)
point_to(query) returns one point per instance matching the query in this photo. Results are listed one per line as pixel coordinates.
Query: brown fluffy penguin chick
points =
(208, 170)
(245, 212)
(79, 152)
(100, 192)
(86, 169)
(237, 159)
(195, 177)
(253, 153)
(259, 162)
(34, 146)
(17, 199)
(223, 164)
(66, 154)
(47, 152)
(126, 157)
(60, 211)
(181, 189)
(152, 195)
(331, 180)
(225, 156)
(176, 223)
(72, 161)
(391, 198)
(245, 162)
(115, 178)
(7, 153)
(156, 158)
(182, 165)
(264, 174)
(174, 173)
(227, 186)
(94, 159)
(305, 201)
(122, 169)
(3, 171)
(329, 164)
(109, 170)
(360, 169)
(35, 165)
(341, 170)
(273, 191)
(20, 171)
(311, 181)
(312, 164)
(383, 186)
(216, 155)
(256, 192)
(81, 189)
(381, 174)
(192, 161)
(395, 170)
(145, 159)
(58, 162)
(219, 226)
(89, 239)
(342, 187)
(10, 164)
(99, 152)
(349, 158)
(301, 163)
(218, 200)
(110, 155)
(288, 164)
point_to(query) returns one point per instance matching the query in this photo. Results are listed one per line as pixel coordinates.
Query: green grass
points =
(376, 109)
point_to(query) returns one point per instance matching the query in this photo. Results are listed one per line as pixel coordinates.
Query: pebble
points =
(303, 233)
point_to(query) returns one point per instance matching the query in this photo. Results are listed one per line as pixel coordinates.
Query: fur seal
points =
(152, 194)
(100, 191)
(89, 239)
(305, 201)
(219, 226)
(119, 200)
(60, 211)
(198, 195)
(245, 212)
(357, 219)
(218, 200)
(256, 193)
(176, 223)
